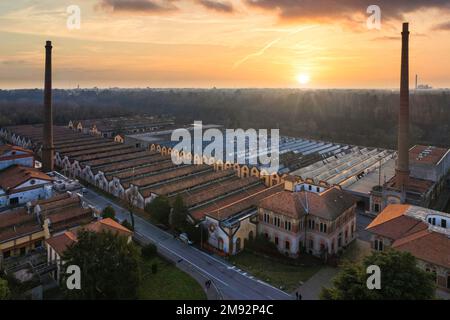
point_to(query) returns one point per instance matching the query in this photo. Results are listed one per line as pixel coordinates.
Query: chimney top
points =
(405, 27)
(48, 43)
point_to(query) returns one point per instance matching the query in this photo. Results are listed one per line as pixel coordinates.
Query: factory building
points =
(19, 185)
(422, 232)
(223, 195)
(110, 127)
(13, 155)
(308, 218)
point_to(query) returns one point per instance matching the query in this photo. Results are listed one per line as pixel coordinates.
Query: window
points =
(376, 207)
(23, 250)
(38, 244)
(287, 225)
(318, 189)
(310, 187)
(277, 221)
(378, 245)
(287, 245)
(14, 201)
(444, 223)
(340, 240)
(276, 241)
(311, 224)
(323, 227)
(7, 254)
(311, 243)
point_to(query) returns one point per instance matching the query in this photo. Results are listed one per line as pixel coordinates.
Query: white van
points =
(184, 237)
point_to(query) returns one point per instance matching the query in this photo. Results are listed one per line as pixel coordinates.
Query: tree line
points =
(361, 117)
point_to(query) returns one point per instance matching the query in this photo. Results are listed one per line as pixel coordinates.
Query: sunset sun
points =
(303, 78)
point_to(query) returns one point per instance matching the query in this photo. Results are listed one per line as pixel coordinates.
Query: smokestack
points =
(48, 148)
(402, 170)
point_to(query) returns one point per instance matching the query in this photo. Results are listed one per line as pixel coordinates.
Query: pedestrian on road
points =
(296, 295)
(299, 296)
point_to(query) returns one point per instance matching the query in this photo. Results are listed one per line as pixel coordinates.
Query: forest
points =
(360, 117)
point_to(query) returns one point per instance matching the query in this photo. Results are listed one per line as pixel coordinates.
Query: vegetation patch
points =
(167, 282)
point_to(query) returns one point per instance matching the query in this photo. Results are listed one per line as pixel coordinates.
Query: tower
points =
(48, 148)
(402, 169)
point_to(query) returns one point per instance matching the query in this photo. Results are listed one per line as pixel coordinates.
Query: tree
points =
(109, 266)
(401, 279)
(127, 225)
(179, 213)
(149, 251)
(109, 212)
(197, 233)
(5, 293)
(159, 209)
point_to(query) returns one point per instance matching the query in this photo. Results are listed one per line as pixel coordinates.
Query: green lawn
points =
(282, 274)
(356, 251)
(169, 283)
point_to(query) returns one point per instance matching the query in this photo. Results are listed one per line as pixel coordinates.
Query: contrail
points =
(267, 46)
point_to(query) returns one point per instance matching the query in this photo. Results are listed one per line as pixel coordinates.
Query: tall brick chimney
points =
(48, 148)
(402, 170)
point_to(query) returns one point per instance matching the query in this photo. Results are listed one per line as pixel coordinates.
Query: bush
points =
(109, 212)
(154, 268)
(127, 225)
(149, 251)
(263, 245)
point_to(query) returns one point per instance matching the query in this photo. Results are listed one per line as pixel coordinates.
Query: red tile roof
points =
(428, 246)
(17, 223)
(61, 242)
(16, 175)
(412, 235)
(329, 204)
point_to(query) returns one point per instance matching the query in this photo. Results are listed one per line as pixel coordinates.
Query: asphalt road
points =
(231, 282)
(362, 221)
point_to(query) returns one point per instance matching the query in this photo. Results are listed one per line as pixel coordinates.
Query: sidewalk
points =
(311, 289)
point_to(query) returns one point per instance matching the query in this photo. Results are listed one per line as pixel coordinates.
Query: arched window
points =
(220, 244)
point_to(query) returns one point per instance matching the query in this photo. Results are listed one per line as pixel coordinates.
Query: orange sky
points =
(236, 43)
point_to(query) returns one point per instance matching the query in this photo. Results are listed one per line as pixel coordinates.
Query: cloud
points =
(328, 10)
(445, 26)
(139, 6)
(225, 7)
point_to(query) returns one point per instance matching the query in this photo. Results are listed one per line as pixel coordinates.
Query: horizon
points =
(227, 44)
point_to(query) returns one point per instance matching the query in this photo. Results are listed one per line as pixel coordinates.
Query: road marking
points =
(151, 226)
(176, 254)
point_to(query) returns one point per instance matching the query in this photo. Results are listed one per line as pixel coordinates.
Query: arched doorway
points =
(238, 245)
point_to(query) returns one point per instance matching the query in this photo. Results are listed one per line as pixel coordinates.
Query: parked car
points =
(184, 237)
